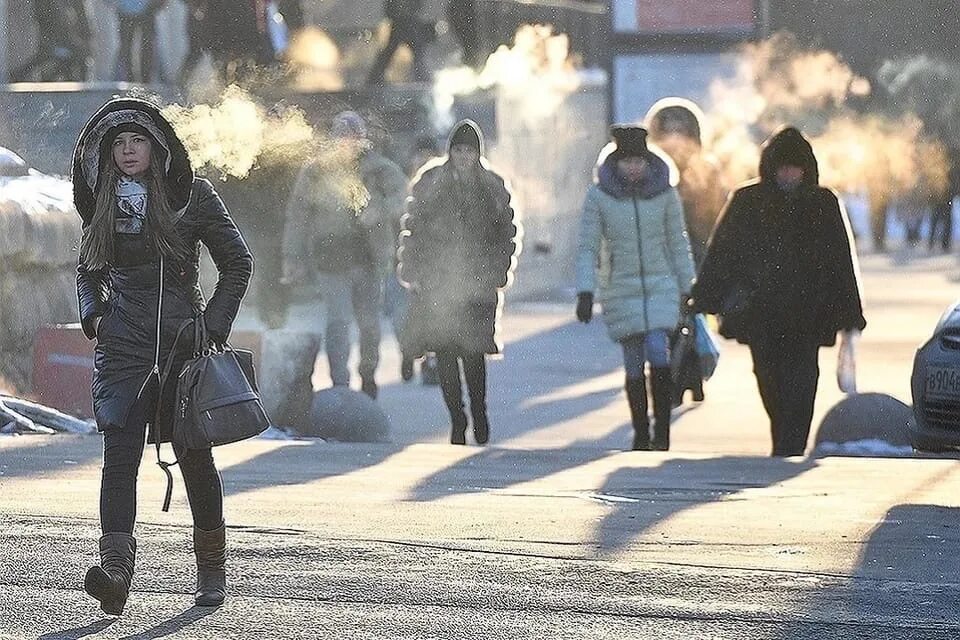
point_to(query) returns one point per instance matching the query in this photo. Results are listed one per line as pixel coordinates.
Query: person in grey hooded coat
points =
(632, 228)
(457, 254)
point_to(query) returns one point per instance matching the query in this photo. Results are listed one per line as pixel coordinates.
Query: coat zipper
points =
(155, 371)
(643, 275)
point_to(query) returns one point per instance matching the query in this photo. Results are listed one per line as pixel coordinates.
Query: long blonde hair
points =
(97, 241)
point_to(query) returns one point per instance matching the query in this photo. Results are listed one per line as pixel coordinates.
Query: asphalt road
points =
(552, 531)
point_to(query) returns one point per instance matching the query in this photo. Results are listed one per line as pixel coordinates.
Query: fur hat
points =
(631, 141)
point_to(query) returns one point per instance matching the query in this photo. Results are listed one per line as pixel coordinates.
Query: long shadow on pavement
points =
(534, 366)
(79, 632)
(906, 584)
(173, 625)
(491, 469)
(640, 497)
(50, 454)
(301, 462)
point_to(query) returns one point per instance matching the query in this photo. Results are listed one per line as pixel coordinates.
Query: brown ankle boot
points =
(110, 582)
(210, 547)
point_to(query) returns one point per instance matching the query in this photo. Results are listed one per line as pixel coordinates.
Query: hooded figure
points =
(458, 250)
(632, 233)
(144, 215)
(781, 274)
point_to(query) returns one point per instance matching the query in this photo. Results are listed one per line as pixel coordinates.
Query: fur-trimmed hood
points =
(89, 152)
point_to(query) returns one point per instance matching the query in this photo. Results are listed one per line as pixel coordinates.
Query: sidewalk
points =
(551, 532)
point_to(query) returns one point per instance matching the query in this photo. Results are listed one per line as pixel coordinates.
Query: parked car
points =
(935, 386)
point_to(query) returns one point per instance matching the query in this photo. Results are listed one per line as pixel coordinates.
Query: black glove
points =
(584, 306)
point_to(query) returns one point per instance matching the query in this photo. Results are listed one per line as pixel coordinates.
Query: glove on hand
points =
(584, 306)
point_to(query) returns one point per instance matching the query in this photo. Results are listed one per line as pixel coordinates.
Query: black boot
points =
(475, 373)
(110, 582)
(210, 547)
(448, 370)
(661, 386)
(481, 425)
(637, 399)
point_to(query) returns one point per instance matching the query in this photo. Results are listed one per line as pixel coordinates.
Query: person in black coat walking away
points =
(144, 215)
(137, 16)
(63, 47)
(457, 253)
(465, 23)
(781, 273)
(406, 27)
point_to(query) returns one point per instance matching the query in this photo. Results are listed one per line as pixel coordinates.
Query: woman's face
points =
(464, 156)
(131, 152)
(632, 168)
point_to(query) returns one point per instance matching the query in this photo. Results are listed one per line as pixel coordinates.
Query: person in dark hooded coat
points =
(632, 228)
(144, 215)
(457, 253)
(781, 274)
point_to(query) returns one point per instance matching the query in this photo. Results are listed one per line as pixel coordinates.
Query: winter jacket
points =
(126, 294)
(458, 250)
(343, 217)
(638, 244)
(781, 262)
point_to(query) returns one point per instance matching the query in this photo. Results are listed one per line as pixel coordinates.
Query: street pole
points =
(764, 19)
(3, 41)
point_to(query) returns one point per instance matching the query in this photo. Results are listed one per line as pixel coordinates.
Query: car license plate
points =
(943, 382)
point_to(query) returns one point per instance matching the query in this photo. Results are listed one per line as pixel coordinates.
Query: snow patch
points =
(868, 447)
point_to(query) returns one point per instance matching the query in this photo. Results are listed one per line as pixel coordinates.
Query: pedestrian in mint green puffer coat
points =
(633, 241)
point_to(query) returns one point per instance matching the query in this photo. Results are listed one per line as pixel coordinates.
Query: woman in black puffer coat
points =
(457, 254)
(144, 215)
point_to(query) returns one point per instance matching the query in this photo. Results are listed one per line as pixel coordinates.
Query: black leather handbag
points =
(217, 401)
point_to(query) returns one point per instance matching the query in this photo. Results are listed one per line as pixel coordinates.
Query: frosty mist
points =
(779, 83)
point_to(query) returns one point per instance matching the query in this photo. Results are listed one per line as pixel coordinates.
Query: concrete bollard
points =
(339, 413)
(866, 416)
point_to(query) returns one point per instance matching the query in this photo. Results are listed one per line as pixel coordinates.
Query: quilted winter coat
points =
(633, 247)
(126, 294)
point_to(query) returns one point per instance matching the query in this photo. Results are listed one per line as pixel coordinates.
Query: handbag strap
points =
(167, 369)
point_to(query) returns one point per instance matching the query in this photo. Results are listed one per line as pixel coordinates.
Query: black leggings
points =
(122, 452)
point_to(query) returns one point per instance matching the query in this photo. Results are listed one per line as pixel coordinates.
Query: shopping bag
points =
(847, 362)
(706, 345)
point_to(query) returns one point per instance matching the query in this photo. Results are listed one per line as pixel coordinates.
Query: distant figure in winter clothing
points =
(136, 18)
(675, 126)
(238, 36)
(457, 254)
(465, 24)
(198, 18)
(781, 274)
(632, 228)
(341, 223)
(144, 216)
(63, 43)
(406, 27)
